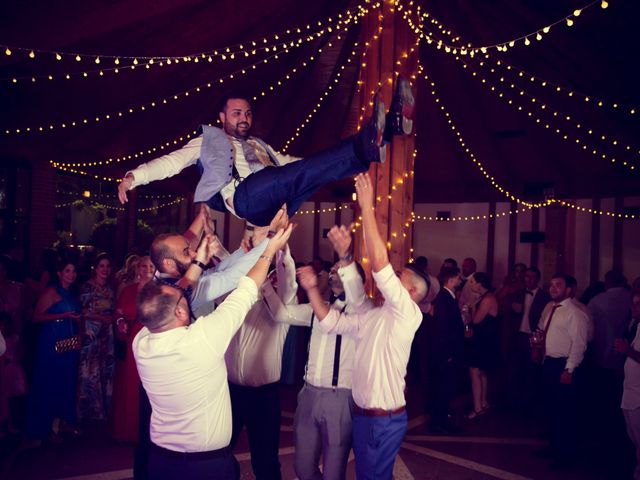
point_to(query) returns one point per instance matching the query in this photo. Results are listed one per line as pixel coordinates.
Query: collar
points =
(450, 292)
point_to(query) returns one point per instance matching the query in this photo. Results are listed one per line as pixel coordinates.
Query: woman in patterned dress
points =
(97, 363)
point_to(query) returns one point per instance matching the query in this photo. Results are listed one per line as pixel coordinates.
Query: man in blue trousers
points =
(235, 165)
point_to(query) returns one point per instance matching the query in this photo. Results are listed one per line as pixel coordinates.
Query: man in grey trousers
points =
(322, 422)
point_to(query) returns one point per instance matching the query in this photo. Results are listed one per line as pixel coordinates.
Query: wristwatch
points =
(200, 264)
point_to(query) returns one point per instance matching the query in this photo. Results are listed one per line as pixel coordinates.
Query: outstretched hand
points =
(340, 238)
(307, 277)
(123, 187)
(364, 189)
(280, 220)
(281, 237)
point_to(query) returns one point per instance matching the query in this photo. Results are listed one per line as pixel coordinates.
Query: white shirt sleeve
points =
(579, 334)
(342, 323)
(281, 313)
(220, 326)
(3, 345)
(167, 165)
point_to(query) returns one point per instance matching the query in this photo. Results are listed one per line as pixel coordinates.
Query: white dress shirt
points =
(174, 162)
(319, 372)
(526, 308)
(567, 334)
(631, 392)
(184, 374)
(383, 338)
(254, 356)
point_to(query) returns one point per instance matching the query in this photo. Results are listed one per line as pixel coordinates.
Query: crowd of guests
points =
(533, 350)
(67, 358)
(68, 342)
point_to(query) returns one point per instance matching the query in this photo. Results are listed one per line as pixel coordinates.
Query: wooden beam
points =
(535, 247)
(617, 235)
(595, 243)
(513, 231)
(491, 239)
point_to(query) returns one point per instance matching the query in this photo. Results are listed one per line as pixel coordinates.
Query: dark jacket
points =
(446, 335)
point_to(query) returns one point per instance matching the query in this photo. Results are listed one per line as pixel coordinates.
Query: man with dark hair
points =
(526, 309)
(445, 346)
(322, 422)
(565, 329)
(181, 365)
(235, 174)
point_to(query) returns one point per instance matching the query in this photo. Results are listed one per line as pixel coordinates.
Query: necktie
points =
(250, 156)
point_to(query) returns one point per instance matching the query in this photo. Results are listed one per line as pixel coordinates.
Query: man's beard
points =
(236, 132)
(182, 267)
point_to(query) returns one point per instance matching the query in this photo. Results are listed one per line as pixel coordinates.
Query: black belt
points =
(211, 454)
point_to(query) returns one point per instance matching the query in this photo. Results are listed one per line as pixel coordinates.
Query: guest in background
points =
(53, 389)
(611, 312)
(631, 394)
(484, 341)
(126, 383)
(564, 344)
(467, 296)
(95, 376)
(128, 274)
(526, 309)
(445, 346)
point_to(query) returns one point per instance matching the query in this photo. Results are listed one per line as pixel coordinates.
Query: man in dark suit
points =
(526, 310)
(446, 343)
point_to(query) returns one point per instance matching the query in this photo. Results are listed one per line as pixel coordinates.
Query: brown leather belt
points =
(376, 412)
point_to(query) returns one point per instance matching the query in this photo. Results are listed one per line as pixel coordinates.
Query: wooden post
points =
(393, 180)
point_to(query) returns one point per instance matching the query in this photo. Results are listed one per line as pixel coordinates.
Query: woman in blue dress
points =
(53, 389)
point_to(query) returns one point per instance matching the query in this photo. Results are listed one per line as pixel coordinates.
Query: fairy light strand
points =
(96, 119)
(525, 40)
(59, 55)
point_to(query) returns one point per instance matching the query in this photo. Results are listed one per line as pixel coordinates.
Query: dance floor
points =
(500, 445)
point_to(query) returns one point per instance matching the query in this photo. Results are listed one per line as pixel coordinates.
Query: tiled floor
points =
(500, 445)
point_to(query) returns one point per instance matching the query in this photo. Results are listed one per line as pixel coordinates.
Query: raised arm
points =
(309, 281)
(341, 239)
(160, 168)
(376, 248)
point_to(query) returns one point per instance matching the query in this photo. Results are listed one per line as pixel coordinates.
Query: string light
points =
(324, 210)
(471, 50)
(491, 179)
(178, 141)
(556, 114)
(96, 118)
(323, 96)
(557, 89)
(543, 107)
(146, 196)
(120, 209)
(67, 166)
(260, 43)
(225, 54)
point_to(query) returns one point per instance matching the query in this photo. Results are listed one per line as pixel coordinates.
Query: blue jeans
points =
(376, 442)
